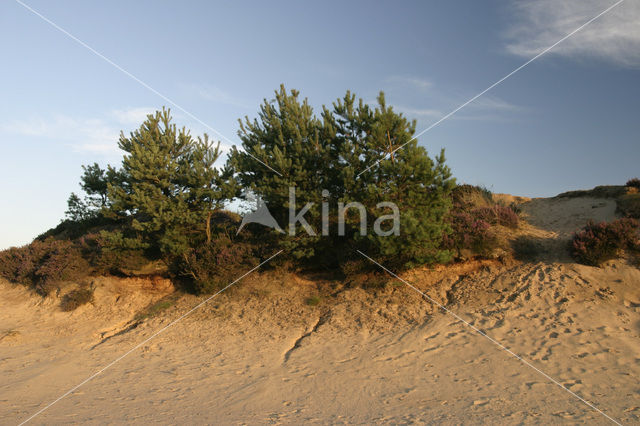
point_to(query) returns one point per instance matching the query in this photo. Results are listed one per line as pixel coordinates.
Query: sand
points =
(259, 354)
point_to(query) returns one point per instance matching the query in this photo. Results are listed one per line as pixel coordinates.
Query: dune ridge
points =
(261, 354)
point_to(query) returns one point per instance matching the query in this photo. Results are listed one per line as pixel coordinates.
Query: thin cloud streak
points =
(415, 82)
(215, 94)
(135, 115)
(94, 135)
(614, 38)
(91, 135)
(418, 112)
(490, 108)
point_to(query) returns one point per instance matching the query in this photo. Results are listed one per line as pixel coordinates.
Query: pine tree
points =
(327, 153)
(94, 182)
(286, 136)
(381, 162)
(167, 187)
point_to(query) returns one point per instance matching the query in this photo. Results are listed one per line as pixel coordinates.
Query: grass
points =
(156, 308)
(313, 300)
(604, 191)
(629, 205)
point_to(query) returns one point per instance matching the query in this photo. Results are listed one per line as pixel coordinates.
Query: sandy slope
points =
(259, 354)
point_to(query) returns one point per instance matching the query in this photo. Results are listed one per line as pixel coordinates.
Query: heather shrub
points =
(16, 265)
(57, 261)
(599, 242)
(486, 214)
(469, 234)
(43, 264)
(76, 298)
(497, 215)
(634, 183)
(217, 264)
(506, 216)
(71, 230)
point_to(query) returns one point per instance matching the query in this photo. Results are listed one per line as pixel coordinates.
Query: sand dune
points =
(260, 354)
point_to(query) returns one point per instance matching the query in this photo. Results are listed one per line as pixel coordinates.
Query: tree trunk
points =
(208, 229)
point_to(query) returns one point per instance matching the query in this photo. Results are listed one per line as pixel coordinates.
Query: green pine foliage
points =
(286, 136)
(95, 183)
(403, 173)
(167, 187)
(328, 152)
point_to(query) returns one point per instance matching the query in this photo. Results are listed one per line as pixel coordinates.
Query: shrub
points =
(57, 261)
(16, 265)
(76, 298)
(469, 233)
(515, 207)
(604, 191)
(351, 267)
(507, 216)
(369, 280)
(217, 264)
(111, 253)
(71, 230)
(42, 264)
(497, 215)
(471, 195)
(634, 183)
(599, 242)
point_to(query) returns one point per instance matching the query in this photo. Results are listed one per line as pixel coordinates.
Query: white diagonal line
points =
(199, 305)
(493, 85)
(127, 73)
(492, 340)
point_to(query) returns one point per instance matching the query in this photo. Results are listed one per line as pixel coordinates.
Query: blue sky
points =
(568, 120)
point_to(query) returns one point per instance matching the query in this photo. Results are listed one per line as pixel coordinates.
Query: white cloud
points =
(83, 134)
(132, 115)
(485, 108)
(215, 94)
(419, 112)
(415, 82)
(492, 103)
(96, 135)
(488, 108)
(614, 37)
